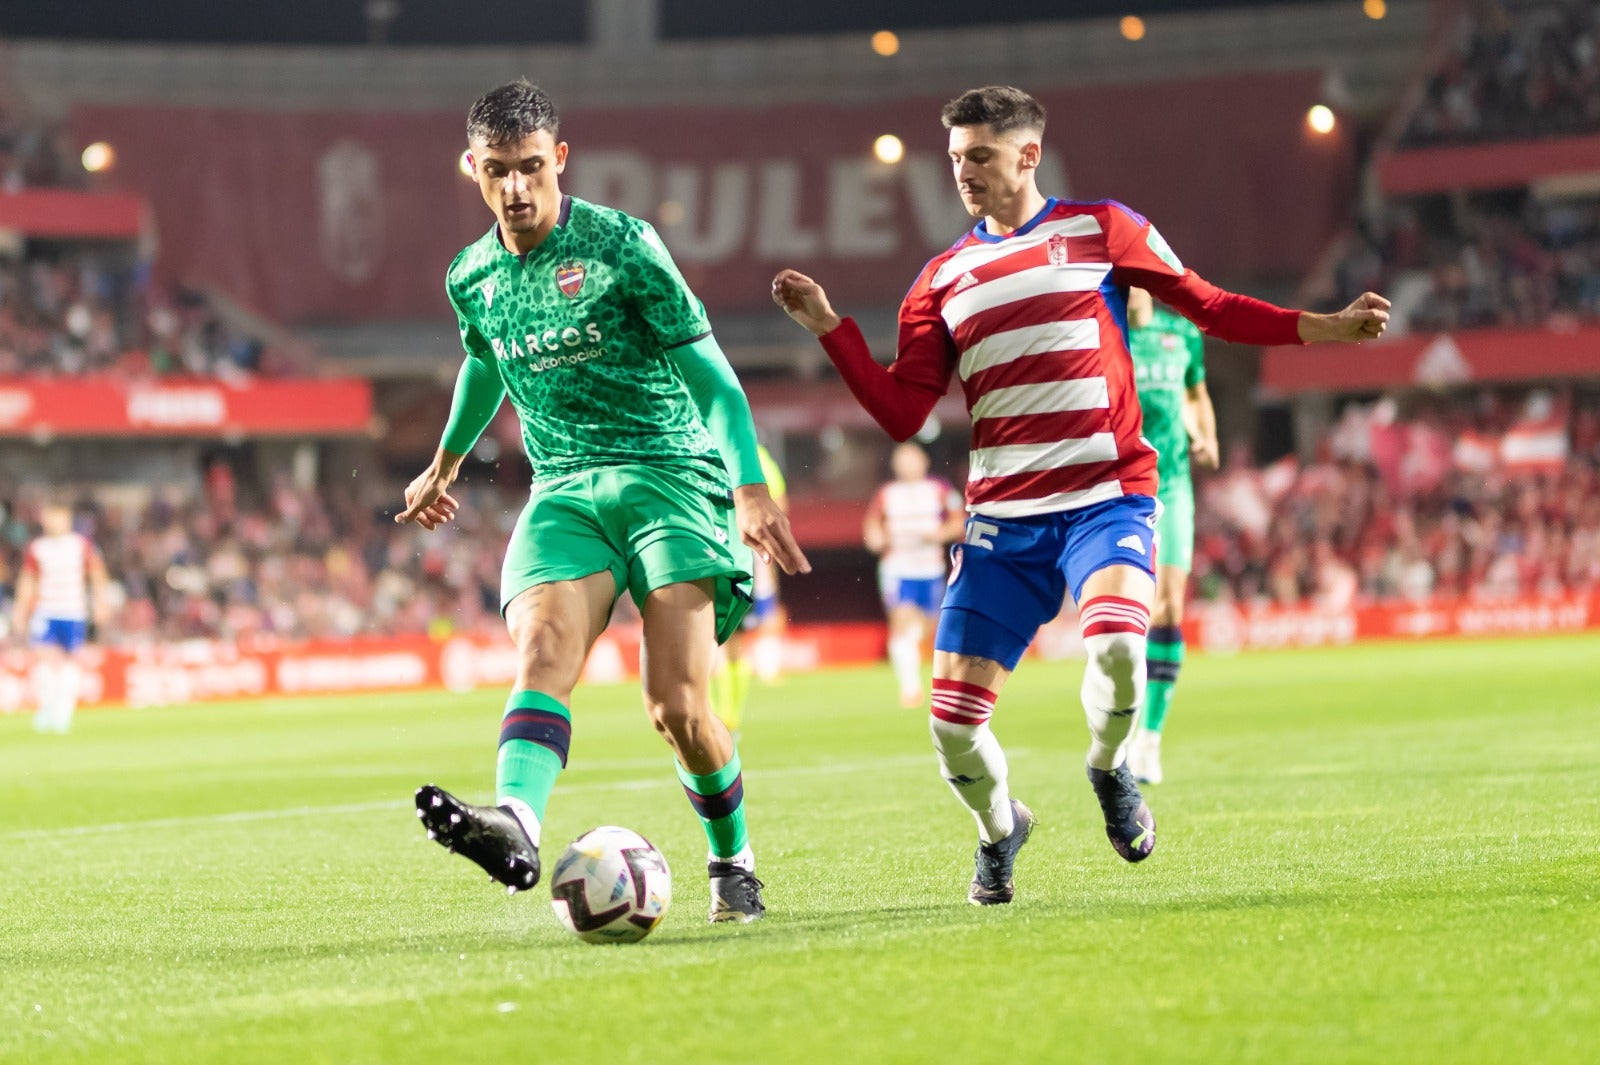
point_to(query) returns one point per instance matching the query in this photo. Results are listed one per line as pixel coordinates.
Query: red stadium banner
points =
(63, 214)
(90, 406)
(199, 671)
(1227, 628)
(1436, 360)
(346, 216)
(1503, 165)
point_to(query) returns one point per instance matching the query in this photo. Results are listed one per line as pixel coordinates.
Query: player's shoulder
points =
(1110, 212)
(596, 221)
(472, 263)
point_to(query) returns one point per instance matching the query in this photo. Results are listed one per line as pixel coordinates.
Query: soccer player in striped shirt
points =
(63, 577)
(1029, 309)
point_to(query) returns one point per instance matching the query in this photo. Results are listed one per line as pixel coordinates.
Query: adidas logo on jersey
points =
(966, 282)
(1131, 542)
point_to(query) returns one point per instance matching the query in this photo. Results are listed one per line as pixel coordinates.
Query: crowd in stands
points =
(288, 562)
(1504, 259)
(1521, 69)
(1491, 498)
(1494, 499)
(70, 310)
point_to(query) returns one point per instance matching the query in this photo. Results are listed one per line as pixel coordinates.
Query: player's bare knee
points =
(678, 710)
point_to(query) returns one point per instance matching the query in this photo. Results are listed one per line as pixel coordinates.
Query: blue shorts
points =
(924, 593)
(1012, 575)
(763, 609)
(58, 632)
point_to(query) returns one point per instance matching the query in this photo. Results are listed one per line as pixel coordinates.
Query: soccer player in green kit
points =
(1170, 372)
(646, 479)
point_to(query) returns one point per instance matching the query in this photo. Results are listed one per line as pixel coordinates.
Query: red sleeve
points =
(30, 561)
(902, 395)
(1141, 257)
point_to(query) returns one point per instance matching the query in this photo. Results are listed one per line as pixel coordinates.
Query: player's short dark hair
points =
(507, 114)
(1000, 107)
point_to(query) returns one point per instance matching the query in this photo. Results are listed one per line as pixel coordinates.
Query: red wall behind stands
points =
(1437, 360)
(336, 217)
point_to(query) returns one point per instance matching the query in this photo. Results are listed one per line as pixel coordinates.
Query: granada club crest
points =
(569, 278)
(1057, 247)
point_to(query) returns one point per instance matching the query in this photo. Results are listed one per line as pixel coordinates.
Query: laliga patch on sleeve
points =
(1163, 250)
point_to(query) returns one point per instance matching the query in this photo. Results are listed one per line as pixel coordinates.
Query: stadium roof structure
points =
(491, 22)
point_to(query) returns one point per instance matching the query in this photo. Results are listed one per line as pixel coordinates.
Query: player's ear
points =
(1032, 152)
(472, 164)
(561, 156)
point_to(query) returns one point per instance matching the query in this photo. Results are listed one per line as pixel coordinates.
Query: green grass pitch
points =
(1383, 853)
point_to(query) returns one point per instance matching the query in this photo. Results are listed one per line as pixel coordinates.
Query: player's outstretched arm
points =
(1141, 257)
(1365, 319)
(899, 397)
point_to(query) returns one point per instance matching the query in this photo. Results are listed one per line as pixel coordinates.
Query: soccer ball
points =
(611, 886)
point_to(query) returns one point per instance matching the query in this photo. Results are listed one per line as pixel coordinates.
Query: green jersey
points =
(1168, 359)
(579, 329)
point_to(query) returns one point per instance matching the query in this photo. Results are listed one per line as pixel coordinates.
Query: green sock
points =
(534, 736)
(1164, 657)
(719, 800)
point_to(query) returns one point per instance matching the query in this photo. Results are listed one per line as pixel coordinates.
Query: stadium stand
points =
(1520, 69)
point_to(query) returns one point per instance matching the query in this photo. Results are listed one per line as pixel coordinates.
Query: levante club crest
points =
(569, 278)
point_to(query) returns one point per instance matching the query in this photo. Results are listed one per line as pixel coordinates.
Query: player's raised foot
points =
(911, 698)
(735, 894)
(993, 863)
(1130, 825)
(489, 835)
(1144, 757)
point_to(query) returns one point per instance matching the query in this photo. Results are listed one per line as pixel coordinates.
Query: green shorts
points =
(1175, 526)
(648, 526)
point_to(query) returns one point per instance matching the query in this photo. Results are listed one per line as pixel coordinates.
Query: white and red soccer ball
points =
(611, 886)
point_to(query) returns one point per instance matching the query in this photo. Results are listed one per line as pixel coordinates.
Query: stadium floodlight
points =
(1132, 27)
(1321, 120)
(1375, 9)
(99, 157)
(888, 149)
(886, 42)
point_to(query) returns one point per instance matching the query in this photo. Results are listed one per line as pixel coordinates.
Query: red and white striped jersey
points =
(60, 566)
(913, 513)
(1035, 325)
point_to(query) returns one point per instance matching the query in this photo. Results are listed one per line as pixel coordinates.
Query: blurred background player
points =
(730, 684)
(1169, 370)
(908, 524)
(62, 576)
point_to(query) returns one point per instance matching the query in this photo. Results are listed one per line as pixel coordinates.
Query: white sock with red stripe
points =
(1113, 684)
(970, 758)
